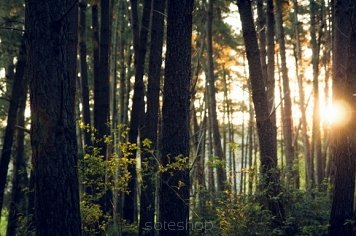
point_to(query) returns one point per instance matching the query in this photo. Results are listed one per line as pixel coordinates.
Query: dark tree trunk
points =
(150, 129)
(51, 58)
(174, 189)
(137, 112)
(266, 130)
(218, 150)
(20, 182)
(16, 95)
(343, 135)
(84, 70)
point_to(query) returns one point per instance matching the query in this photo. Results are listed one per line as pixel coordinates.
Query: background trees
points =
(232, 125)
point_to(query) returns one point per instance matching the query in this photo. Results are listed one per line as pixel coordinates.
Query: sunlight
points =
(337, 113)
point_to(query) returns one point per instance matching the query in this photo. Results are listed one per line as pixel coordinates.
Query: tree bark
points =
(51, 58)
(84, 71)
(218, 151)
(266, 130)
(150, 129)
(16, 95)
(140, 37)
(174, 188)
(18, 201)
(343, 135)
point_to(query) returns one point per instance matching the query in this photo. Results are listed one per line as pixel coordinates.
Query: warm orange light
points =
(338, 113)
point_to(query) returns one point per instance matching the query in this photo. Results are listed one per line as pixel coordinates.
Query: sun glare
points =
(337, 113)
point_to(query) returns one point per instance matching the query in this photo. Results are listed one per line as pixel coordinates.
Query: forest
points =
(177, 117)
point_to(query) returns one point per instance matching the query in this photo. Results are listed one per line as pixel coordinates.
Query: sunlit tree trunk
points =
(265, 128)
(292, 175)
(218, 151)
(304, 125)
(315, 44)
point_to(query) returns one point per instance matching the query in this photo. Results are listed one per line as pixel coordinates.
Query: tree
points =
(175, 186)
(16, 95)
(51, 28)
(265, 128)
(344, 139)
(218, 151)
(150, 129)
(292, 176)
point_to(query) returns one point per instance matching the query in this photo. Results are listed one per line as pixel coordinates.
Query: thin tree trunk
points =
(150, 129)
(16, 95)
(18, 203)
(218, 151)
(305, 137)
(292, 175)
(266, 129)
(140, 44)
(84, 70)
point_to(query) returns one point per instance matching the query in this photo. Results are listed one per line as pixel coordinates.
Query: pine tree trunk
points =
(51, 55)
(18, 201)
(84, 70)
(140, 44)
(174, 188)
(343, 135)
(292, 175)
(16, 95)
(150, 129)
(265, 128)
(218, 151)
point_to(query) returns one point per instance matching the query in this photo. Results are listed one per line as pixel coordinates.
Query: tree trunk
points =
(150, 129)
(298, 61)
(218, 151)
(16, 95)
(174, 188)
(316, 111)
(344, 139)
(84, 71)
(265, 128)
(292, 175)
(20, 181)
(51, 55)
(140, 37)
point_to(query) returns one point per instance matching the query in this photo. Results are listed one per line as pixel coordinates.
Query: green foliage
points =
(99, 174)
(3, 222)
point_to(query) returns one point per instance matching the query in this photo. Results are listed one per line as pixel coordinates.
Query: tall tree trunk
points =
(270, 60)
(51, 55)
(316, 111)
(292, 175)
(140, 37)
(150, 129)
(344, 139)
(265, 128)
(299, 74)
(218, 151)
(84, 70)
(174, 189)
(16, 95)
(18, 201)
